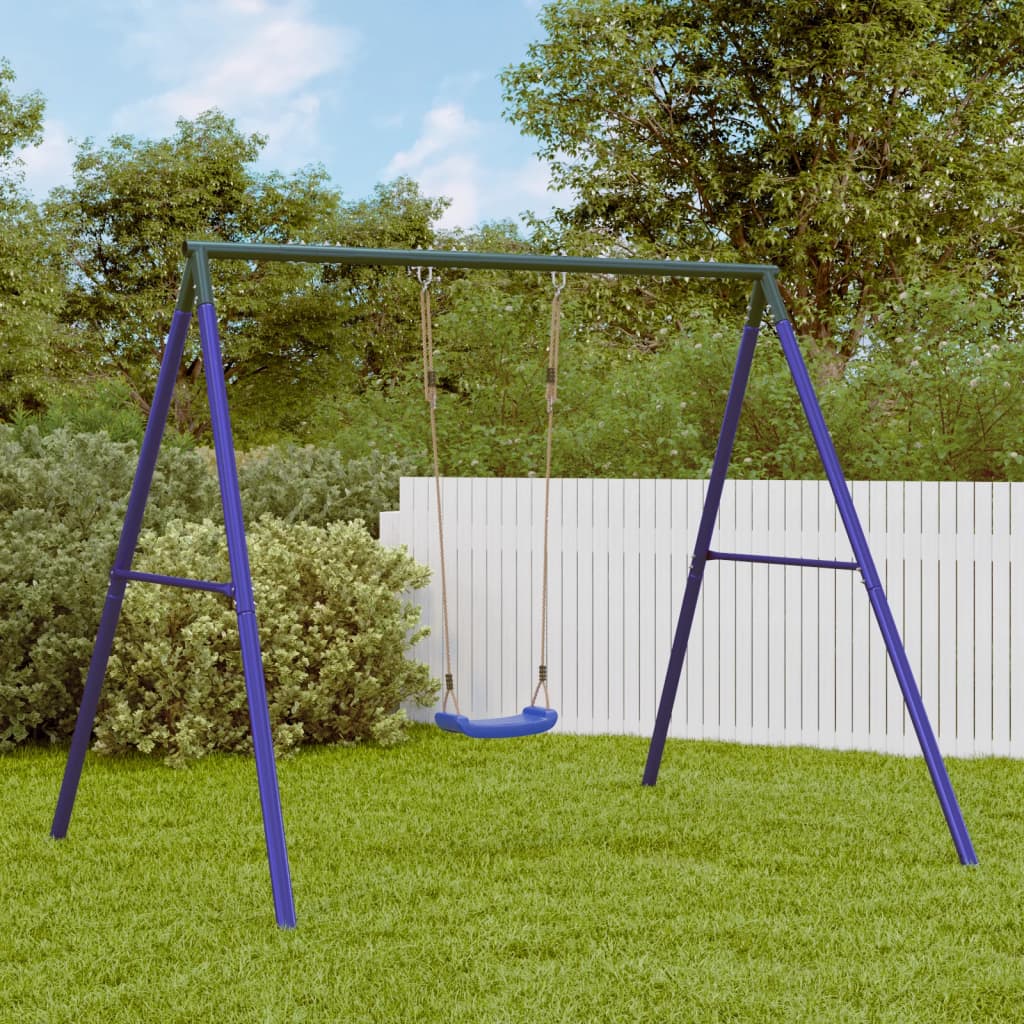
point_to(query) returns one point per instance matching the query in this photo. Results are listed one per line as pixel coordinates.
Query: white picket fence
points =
(778, 655)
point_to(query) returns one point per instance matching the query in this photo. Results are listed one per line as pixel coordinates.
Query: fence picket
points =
(949, 573)
(983, 681)
(931, 619)
(649, 664)
(810, 609)
(1015, 546)
(999, 635)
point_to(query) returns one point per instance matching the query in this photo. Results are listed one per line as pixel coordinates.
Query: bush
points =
(319, 485)
(97, 406)
(62, 502)
(52, 584)
(83, 480)
(333, 631)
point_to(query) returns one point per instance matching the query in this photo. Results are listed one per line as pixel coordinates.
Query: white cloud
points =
(532, 181)
(259, 61)
(449, 158)
(442, 160)
(444, 129)
(457, 178)
(50, 163)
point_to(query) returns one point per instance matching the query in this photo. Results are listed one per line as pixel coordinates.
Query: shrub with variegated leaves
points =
(333, 627)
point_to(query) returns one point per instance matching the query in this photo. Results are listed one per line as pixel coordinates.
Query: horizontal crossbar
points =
(358, 255)
(227, 589)
(811, 563)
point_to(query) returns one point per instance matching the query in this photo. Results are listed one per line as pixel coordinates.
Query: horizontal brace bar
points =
(811, 563)
(227, 589)
(357, 255)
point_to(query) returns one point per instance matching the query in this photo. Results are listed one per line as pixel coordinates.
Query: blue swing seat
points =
(529, 721)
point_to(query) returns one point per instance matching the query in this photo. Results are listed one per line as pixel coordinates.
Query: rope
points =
(430, 394)
(552, 397)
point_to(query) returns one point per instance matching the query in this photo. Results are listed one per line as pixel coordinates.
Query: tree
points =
(21, 124)
(377, 307)
(938, 401)
(861, 145)
(294, 335)
(29, 281)
(130, 208)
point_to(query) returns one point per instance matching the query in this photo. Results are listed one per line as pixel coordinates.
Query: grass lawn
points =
(529, 880)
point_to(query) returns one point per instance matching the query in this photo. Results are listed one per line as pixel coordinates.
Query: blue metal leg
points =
(876, 595)
(122, 563)
(252, 661)
(719, 469)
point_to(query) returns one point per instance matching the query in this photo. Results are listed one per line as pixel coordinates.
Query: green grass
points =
(531, 880)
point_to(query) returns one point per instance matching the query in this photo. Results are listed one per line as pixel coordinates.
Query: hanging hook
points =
(559, 287)
(419, 277)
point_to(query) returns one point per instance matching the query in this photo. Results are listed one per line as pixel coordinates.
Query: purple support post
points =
(876, 595)
(712, 500)
(252, 661)
(122, 564)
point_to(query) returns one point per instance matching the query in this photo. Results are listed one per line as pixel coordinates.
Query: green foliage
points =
(491, 342)
(82, 480)
(859, 146)
(21, 124)
(30, 283)
(645, 370)
(131, 206)
(370, 313)
(52, 582)
(293, 335)
(30, 295)
(873, 151)
(333, 630)
(103, 406)
(62, 502)
(938, 399)
(385, 416)
(318, 486)
(658, 413)
(642, 386)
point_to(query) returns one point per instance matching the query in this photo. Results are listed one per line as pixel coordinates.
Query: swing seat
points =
(529, 721)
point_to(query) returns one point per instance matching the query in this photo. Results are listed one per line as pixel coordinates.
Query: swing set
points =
(196, 293)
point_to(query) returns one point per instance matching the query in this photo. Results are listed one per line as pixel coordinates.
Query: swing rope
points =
(552, 397)
(430, 393)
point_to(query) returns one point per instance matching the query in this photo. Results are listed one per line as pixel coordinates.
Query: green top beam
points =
(477, 260)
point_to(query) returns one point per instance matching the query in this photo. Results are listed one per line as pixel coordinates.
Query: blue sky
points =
(369, 88)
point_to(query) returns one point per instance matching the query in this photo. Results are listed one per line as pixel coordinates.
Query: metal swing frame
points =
(196, 294)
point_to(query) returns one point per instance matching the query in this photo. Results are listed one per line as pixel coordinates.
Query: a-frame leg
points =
(712, 500)
(240, 588)
(241, 578)
(873, 583)
(122, 564)
(768, 291)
